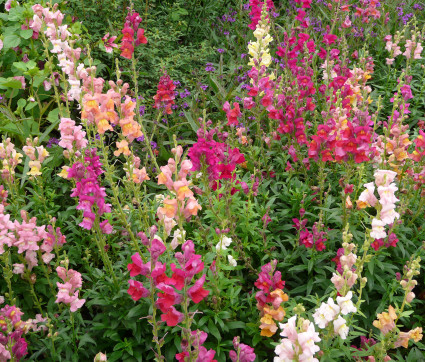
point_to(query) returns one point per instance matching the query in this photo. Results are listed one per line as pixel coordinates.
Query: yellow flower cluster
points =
(259, 50)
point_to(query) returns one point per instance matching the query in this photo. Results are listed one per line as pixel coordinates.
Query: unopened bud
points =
(100, 357)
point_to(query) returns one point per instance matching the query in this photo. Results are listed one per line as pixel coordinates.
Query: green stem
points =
(139, 118)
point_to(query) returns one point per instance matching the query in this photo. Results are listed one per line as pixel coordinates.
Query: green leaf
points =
(38, 80)
(235, 325)
(11, 128)
(11, 41)
(20, 66)
(85, 339)
(192, 123)
(22, 102)
(30, 106)
(10, 83)
(214, 330)
(53, 115)
(26, 33)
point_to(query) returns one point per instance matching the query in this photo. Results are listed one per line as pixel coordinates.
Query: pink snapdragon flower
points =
(384, 177)
(12, 345)
(297, 344)
(68, 292)
(89, 192)
(109, 43)
(72, 136)
(243, 353)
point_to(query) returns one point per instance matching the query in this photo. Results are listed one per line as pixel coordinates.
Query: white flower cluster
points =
(333, 312)
(386, 190)
(223, 244)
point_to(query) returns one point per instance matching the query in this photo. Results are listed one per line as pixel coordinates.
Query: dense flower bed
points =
(270, 208)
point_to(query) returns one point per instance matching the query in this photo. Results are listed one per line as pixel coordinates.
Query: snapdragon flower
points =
(258, 50)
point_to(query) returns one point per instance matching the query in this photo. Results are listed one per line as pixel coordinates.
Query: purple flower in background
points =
(417, 7)
(181, 114)
(52, 141)
(238, 99)
(220, 50)
(209, 67)
(243, 55)
(140, 139)
(142, 110)
(185, 105)
(154, 144)
(204, 87)
(246, 6)
(184, 94)
(177, 83)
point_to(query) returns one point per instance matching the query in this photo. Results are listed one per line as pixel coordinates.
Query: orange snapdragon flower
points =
(386, 320)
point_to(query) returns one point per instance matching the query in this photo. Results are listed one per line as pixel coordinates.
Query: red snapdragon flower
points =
(131, 27)
(197, 293)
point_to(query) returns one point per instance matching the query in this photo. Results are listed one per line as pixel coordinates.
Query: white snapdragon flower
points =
(232, 260)
(224, 243)
(346, 304)
(340, 327)
(326, 313)
(178, 238)
(378, 229)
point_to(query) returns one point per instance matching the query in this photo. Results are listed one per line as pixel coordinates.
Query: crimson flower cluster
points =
(131, 27)
(309, 239)
(232, 113)
(379, 243)
(256, 8)
(91, 197)
(269, 279)
(189, 264)
(164, 97)
(197, 339)
(220, 159)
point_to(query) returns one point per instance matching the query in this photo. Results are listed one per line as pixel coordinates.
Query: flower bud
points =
(100, 357)
(410, 296)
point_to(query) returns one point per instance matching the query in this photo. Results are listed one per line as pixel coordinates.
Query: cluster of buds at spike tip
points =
(242, 353)
(412, 269)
